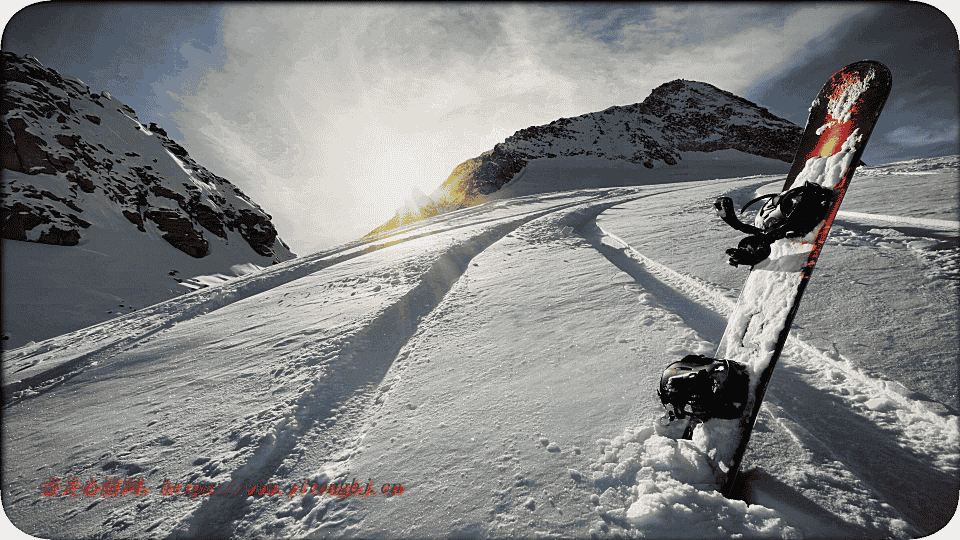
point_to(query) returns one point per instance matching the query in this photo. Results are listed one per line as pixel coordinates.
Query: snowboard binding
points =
(702, 388)
(792, 213)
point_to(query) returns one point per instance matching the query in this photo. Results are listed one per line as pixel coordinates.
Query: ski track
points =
(932, 241)
(913, 453)
(347, 388)
(558, 221)
(353, 386)
(347, 380)
(935, 224)
(29, 371)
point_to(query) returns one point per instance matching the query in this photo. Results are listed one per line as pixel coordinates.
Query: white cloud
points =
(329, 114)
(914, 136)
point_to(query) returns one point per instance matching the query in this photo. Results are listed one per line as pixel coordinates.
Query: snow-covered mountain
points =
(82, 174)
(492, 372)
(677, 117)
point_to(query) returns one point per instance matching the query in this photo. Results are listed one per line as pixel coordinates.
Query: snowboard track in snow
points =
(166, 314)
(379, 344)
(706, 321)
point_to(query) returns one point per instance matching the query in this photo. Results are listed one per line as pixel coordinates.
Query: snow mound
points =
(666, 488)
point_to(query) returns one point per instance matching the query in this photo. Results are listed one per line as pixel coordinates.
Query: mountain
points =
(75, 146)
(678, 117)
(81, 173)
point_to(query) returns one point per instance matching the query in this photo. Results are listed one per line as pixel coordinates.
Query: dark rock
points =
(163, 191)
(155, 128)
(68, 141)
(58, 237)
(209, 219)
(8, 150)
(175, 149)
(257, 231)
(179, 231)
(17, 220)
(85, 184)
(135, 218)
(29, 149)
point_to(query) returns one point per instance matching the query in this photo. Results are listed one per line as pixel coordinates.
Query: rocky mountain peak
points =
(73, 158)
(697, 116)
(677, 116)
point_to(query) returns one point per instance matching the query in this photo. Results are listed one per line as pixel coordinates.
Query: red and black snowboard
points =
(716, 400)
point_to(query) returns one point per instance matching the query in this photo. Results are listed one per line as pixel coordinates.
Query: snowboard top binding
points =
(792, 213)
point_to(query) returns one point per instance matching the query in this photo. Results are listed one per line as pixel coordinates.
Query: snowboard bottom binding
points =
(792, 213)
(702, 388)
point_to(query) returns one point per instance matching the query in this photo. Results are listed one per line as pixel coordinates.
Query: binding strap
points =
(794, 212)
(724, 208)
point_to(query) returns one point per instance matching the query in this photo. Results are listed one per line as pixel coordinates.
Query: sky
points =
(329, 115)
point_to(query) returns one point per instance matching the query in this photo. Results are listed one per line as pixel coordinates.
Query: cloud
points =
(330, 114)
(914, 136)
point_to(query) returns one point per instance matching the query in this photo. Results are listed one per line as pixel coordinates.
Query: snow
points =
(841, 107)
(500, 364)
(565, 173)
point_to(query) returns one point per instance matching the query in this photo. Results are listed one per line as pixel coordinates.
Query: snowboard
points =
(722, 411)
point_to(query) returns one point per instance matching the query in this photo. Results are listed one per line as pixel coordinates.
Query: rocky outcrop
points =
(676, 117)
(703, 118)
(67, 150)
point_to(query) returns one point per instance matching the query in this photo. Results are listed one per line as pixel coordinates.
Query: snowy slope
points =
(500, 364)
(102, 214)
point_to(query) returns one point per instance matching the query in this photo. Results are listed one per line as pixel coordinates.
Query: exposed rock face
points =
(678, 116)
(702, 118)
(72, 156)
